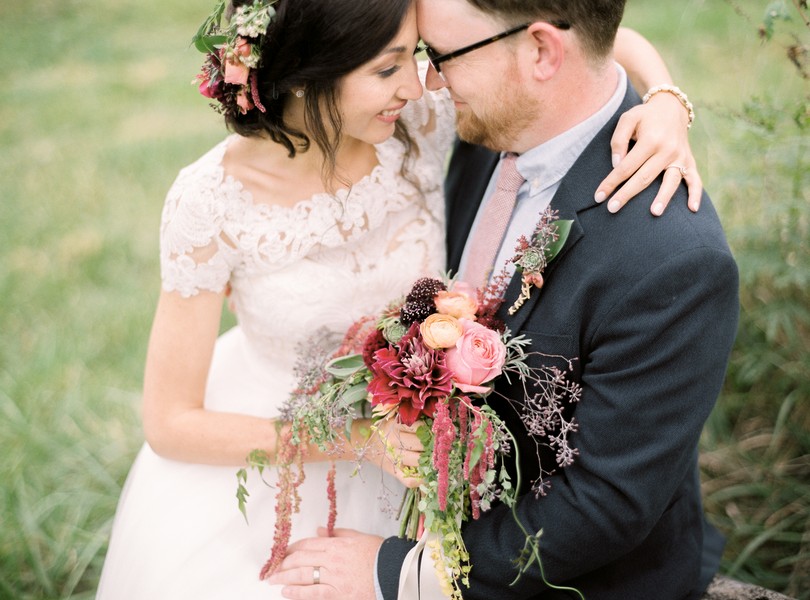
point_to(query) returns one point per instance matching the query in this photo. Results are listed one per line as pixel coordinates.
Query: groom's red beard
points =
(501, 123)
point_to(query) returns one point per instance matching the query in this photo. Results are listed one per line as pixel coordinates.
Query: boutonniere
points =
(532, 256)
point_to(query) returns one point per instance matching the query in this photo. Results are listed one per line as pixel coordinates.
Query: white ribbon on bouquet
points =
(417, 583)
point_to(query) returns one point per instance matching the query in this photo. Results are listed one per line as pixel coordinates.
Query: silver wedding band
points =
(316, 575)
(680, 168)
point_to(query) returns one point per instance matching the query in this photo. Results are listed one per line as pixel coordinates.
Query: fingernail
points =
(600, 196)
(658, 209)
(614, 206)
(615, 159)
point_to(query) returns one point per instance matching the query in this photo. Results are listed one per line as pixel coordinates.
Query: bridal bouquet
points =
(430, 360)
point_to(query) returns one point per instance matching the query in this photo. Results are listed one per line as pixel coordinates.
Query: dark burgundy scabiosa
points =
(425, 288)
(410, 377)
(416, 311)
(419, 303)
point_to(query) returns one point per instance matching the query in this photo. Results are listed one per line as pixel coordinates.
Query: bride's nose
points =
(411, 87)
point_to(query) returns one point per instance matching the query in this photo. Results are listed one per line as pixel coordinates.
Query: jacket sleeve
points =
(389, 562)
(651, 375)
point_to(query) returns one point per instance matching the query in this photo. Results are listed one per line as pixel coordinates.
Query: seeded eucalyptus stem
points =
(532, 540)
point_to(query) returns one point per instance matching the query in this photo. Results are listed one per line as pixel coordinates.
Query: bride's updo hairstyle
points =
(311, 45)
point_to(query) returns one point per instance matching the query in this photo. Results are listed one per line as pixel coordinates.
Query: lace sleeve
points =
(195, 252)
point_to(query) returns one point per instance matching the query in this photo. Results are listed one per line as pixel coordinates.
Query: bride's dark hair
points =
(311, 45)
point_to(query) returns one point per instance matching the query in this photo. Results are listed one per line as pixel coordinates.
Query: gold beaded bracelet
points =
(675, 91)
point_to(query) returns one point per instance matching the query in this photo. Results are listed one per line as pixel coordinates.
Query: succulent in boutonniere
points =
(532, 256)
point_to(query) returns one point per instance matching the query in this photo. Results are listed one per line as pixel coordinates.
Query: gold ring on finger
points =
(681, 170)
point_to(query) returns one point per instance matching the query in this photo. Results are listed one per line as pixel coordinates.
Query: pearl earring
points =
(299, 93)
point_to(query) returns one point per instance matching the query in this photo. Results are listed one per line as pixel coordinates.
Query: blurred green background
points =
(97, 115)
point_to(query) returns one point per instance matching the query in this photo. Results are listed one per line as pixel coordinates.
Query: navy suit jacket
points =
(647, 307)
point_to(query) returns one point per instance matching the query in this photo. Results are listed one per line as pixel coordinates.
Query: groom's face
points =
(492, 107)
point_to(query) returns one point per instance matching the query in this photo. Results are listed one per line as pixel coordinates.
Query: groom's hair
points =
(595, 21)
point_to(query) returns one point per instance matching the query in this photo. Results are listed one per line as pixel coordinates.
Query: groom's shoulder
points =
(635, 234)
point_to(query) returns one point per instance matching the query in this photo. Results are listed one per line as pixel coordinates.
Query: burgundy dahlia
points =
(410, 377)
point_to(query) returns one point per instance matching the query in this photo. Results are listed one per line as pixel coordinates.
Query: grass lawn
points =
(97, 116)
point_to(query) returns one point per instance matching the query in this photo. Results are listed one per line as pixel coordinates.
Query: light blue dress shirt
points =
(543, 167)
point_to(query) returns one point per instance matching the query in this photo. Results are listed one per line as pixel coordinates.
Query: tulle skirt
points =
(178, 532)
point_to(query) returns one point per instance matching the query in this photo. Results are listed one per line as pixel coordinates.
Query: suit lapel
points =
(574, 196)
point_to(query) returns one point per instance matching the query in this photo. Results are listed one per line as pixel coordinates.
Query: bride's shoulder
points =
(201, 182)
(206, 170)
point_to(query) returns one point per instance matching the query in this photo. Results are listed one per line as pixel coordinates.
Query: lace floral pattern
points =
(324, 260)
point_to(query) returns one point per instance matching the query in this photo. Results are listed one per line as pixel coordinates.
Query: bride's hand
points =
(397, 449)
(662, 145)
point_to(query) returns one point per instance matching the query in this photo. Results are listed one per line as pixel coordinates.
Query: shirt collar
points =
(546, 164)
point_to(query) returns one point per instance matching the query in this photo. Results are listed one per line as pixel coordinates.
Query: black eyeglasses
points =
(437, 59)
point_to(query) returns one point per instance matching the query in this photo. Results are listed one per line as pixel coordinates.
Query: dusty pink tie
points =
(488, 235)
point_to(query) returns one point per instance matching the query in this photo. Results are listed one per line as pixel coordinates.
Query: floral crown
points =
(232, 54)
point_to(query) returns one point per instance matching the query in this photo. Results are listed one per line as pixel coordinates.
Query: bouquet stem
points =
(411, 520)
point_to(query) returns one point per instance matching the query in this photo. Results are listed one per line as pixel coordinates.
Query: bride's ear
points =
(547, 50)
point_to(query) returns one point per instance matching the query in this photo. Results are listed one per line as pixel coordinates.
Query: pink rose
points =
(460, 302)
(440, 331)
(237, 72)
(477, 357)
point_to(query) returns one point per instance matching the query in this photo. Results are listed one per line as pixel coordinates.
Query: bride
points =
(324, 204)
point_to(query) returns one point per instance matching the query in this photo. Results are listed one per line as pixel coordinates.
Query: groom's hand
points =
(330, 567)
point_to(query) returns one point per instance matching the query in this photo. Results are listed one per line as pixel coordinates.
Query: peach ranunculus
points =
(460, 302)
(440, 331)
(477, 357)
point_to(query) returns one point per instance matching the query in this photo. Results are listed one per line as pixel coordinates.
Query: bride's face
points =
(371, 97)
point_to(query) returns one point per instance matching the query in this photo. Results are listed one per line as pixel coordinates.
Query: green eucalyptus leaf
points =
(210, 24)
(475, 455)
(345, 366)
(210, 43)
(563, 229)
(354, 394)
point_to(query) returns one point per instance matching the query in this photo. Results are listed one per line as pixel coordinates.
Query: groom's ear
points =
(546, 50)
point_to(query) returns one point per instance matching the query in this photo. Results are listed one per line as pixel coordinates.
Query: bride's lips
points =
(391, 115)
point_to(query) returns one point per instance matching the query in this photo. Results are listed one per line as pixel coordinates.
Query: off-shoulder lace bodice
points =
(326, 260)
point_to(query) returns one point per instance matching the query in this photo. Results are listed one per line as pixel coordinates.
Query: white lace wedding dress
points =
(178, 533)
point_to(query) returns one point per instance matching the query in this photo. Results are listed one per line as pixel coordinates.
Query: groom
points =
(647, 308)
